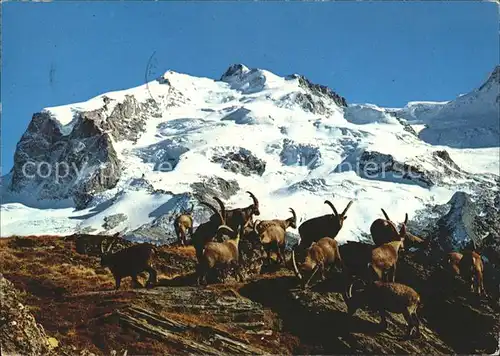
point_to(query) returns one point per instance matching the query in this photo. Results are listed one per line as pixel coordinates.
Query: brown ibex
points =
(386, 297)
(183, 224)
(321, 226)
(384, 230)
(206, 231)
(319, 256)
(129, 262)
(239, 217)
(362, 259)
(385, 257)
(221, 254)
(273, 235)
(470, 267)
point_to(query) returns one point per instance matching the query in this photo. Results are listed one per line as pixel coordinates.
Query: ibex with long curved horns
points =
(207, 231)
(384, 230)
(329, 225)
(221, 254)
(239, 217)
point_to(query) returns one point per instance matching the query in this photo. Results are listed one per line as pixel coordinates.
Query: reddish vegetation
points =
(73, 297)
(69, 294)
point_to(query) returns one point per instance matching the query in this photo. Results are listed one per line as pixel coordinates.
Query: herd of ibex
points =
(369, 270)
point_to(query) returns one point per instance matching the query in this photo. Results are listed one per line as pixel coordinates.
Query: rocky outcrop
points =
(319, 90)
(77, 160)
(112, 221)
(381, 166)
(127, 119)
(300, 154)
(246, 80)
(161, 229)
(58, 166)
(240, 161)
(214, 186)
(20, 334)
(243, 116)
(315, 98)
(467, 221)
(164, 155)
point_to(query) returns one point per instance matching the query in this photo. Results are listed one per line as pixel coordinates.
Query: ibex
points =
(382, 231)
(322, 226)
(385, 257)
(129, 262)
(272, 235)
(221, 254)
(469, 266)
(356, 260)
(319, 256)
(363, 259)
(183, 224)
(239, 217)
(206, 231)
(386, 297)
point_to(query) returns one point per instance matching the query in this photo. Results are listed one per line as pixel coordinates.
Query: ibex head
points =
(256, 210)
(340, 217)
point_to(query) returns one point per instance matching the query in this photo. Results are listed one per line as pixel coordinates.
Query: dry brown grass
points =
(71, 294)
(54, 280)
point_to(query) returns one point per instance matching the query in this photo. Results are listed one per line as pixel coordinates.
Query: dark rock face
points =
(232, 71)
(81, 161)
(77, 165)
(407, 127)
(316, 98)
(112, 221)
(376, 165)
(214, 186)
(20, 334)
(319, 90)
(128, 118)
(468, 221)
(308, 103)
(300, 154)
(246, 80)
(241, 161)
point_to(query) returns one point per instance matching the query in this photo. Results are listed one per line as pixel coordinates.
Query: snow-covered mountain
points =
(128, 161)
(469, 121)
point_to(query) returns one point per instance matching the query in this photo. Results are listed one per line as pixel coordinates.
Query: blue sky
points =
(384, 53)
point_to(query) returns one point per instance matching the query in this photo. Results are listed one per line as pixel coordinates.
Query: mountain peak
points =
(234, 70)
(493, 79)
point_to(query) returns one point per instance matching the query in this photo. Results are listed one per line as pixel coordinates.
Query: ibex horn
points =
(385, 214)
(312, 275)
(295, 268)
(347, 208)
(255, 201)
(333, 208)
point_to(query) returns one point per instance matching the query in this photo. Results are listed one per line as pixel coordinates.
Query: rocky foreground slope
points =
(72, 297)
